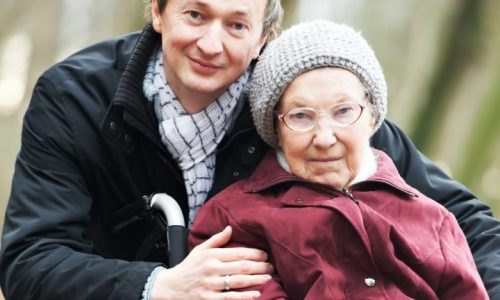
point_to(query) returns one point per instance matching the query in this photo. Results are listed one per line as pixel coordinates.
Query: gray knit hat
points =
(308, 46)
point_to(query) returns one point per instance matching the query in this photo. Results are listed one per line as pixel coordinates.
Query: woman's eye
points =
(301, 116)
(344, 110)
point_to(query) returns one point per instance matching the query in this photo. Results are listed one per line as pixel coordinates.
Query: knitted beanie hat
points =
(308, 46)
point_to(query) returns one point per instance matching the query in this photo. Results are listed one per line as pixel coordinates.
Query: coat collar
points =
(269, 173)
(129, 93)
(129, 105)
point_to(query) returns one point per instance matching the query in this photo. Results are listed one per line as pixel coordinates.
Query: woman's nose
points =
(324, 133)
(210, 43)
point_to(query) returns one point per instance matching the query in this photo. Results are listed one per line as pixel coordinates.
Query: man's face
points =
(208, 44)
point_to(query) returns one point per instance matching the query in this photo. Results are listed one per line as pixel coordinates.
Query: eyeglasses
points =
(305, 118)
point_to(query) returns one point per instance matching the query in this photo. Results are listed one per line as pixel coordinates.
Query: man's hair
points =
(273, 16)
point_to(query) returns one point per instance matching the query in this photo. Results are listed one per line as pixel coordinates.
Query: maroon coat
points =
(380, 240)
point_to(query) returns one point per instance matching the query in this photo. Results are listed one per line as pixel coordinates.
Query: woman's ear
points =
(370, 109)
(276, 124)
(277, 130)
(372, 120)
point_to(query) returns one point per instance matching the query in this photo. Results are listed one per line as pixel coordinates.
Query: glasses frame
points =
(281, 117)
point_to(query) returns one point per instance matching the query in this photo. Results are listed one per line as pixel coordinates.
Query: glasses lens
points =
(345, 113)
(300, 119)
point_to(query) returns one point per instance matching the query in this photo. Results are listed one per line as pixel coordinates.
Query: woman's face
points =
(328, 153)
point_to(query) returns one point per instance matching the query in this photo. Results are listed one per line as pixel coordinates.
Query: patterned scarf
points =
(192, 139)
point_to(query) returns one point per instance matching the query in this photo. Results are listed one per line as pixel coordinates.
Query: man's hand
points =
(202, 273)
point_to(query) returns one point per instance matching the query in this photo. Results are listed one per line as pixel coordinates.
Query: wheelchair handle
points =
(169, 207)
(176, 230)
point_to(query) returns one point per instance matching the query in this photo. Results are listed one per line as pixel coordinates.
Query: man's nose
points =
(210, 43)
(324, 133)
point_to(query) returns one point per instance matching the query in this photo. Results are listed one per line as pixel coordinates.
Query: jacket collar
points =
(129, 105)
(129, 93)
(269, 173)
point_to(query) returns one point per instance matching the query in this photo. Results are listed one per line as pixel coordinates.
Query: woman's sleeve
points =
(475, 218)
(460, 279)
(213, 218)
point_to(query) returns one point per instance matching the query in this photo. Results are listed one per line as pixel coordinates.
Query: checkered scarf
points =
(192, 139)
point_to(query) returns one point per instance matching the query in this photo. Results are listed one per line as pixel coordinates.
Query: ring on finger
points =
(227, 282)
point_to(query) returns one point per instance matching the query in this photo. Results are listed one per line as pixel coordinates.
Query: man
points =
(124, 119)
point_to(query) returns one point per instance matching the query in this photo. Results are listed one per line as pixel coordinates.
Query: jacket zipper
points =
(346, 192)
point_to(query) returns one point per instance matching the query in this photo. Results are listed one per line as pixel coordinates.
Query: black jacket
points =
(91, 150)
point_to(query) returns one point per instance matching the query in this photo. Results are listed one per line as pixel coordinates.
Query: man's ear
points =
(156, 16)
(262, 42)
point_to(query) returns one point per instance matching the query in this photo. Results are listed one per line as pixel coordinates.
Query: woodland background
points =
(441, 59)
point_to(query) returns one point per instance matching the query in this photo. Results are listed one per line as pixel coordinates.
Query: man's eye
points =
(238, 26)
(194, 14)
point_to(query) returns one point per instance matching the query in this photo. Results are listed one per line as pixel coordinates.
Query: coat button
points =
(112, 125)
(370, 282)
(236, 174)
(127, 138)
(251, 150)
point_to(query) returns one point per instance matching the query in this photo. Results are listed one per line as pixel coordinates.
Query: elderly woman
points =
(333, 213)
